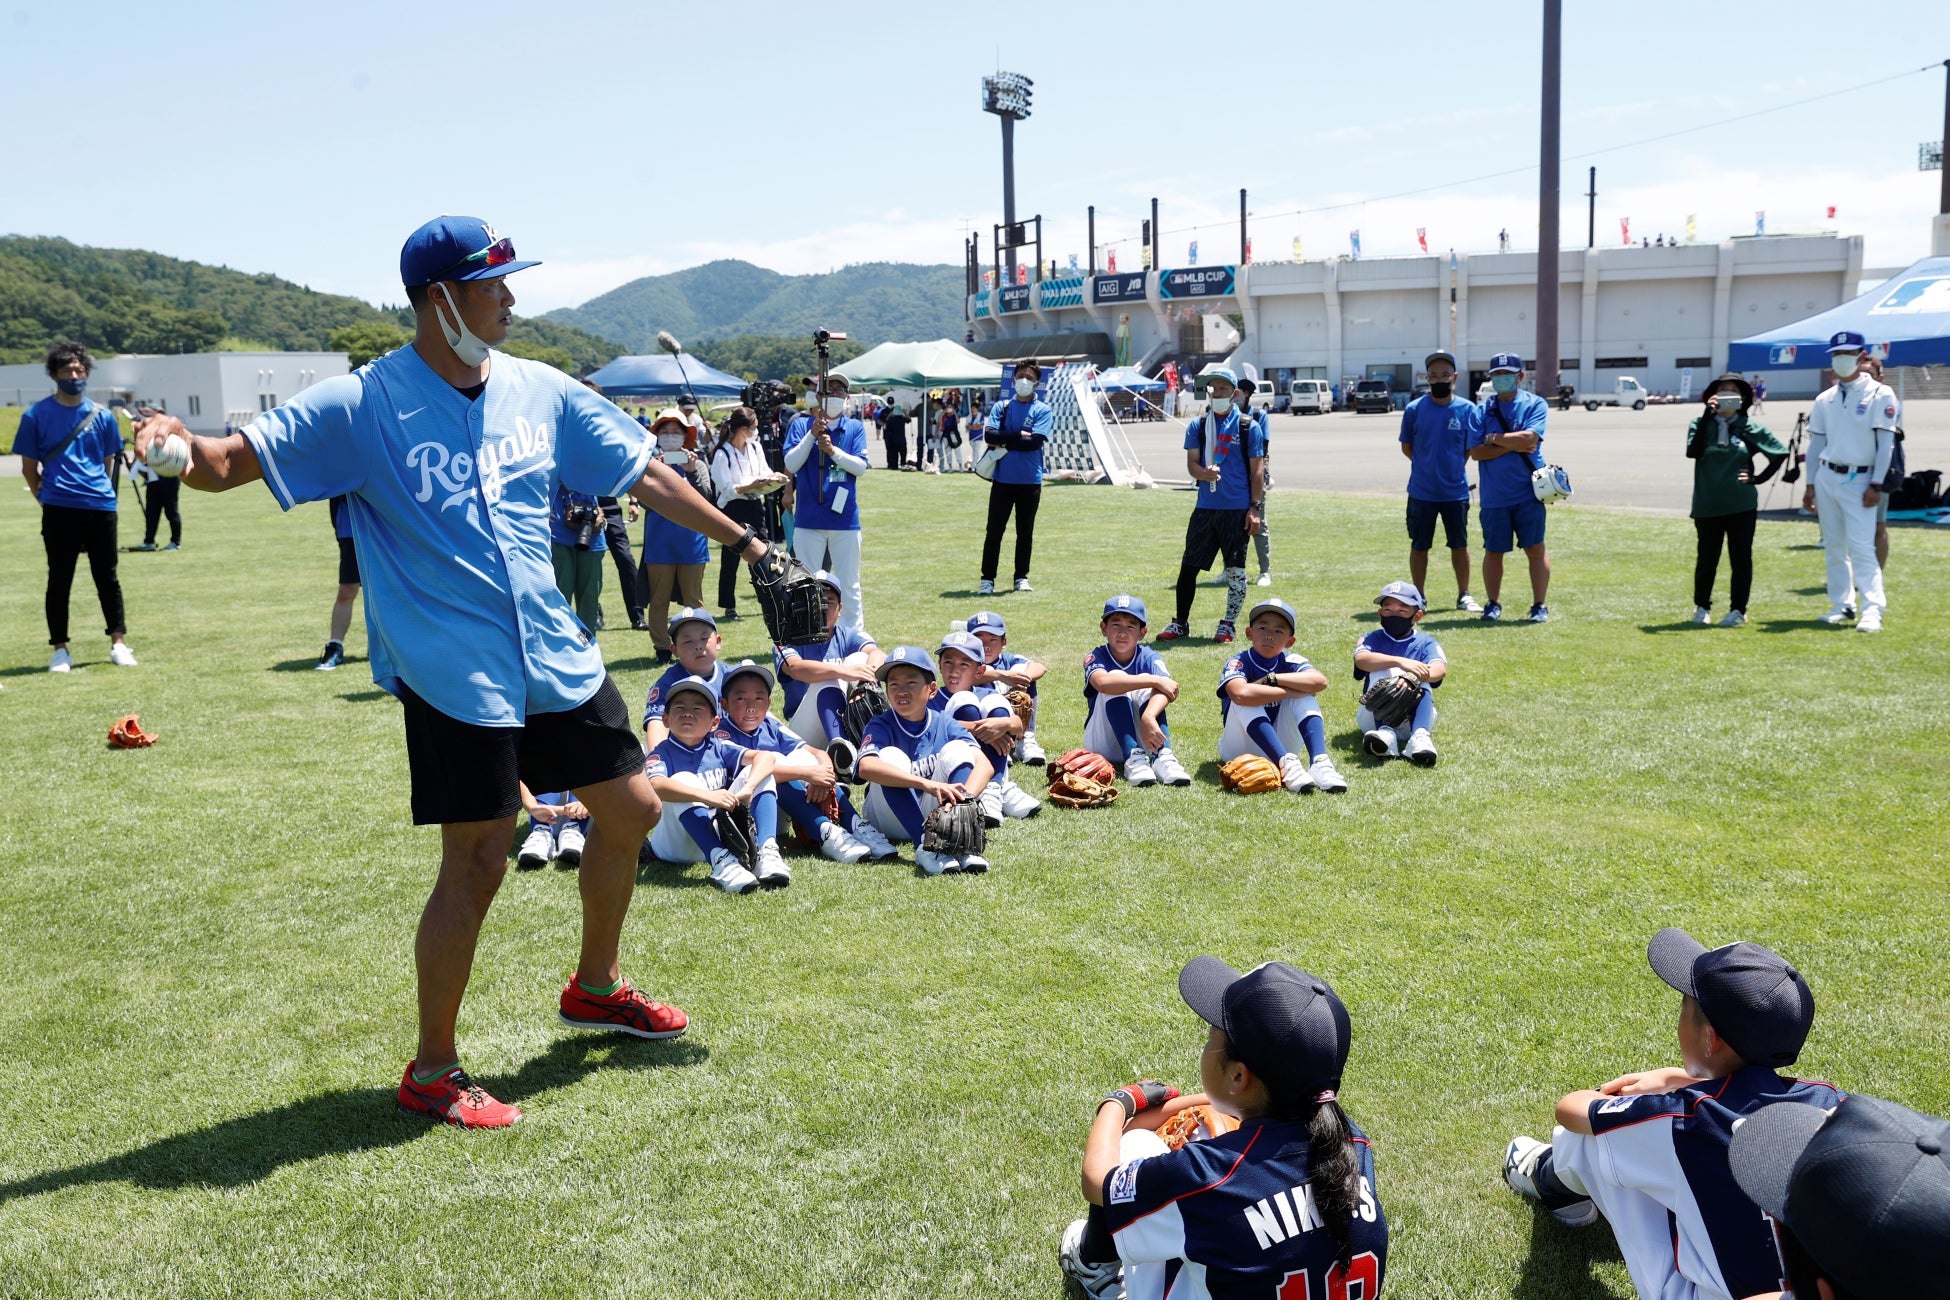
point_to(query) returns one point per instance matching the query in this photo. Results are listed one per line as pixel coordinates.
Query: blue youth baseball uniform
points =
(1110, 721)
(450, 501)
(1236, 1216)
(1417, 645)
(1249, 667)
(653, 705)
(78, 477)
(1144, 662)
(713, 760)
(1223, 445)
(917, 740)
(1657, 1167)
(844, 641)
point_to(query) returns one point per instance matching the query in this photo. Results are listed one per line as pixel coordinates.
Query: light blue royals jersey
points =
(844, 641)
(450, 502)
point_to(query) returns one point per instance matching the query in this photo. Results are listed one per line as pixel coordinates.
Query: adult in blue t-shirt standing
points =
(1020, 427)
(1227, 457)
(66, 445)
(1435, 438)
(1505, 447)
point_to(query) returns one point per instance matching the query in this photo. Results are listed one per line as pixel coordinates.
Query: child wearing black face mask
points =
(1397, 649)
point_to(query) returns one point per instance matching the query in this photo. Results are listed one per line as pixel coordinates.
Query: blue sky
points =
(621, 139)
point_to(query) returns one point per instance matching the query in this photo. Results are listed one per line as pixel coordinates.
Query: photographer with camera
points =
(827, 453)
(743, 479)
(577, 544)
(674, 556)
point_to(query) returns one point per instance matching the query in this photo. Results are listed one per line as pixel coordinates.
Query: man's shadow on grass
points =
(310, 665)
(250, 1148)
(1559, 1263)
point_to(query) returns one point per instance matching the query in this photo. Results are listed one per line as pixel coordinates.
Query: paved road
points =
(1633, 460)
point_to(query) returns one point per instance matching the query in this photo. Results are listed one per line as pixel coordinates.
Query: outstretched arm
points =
(216, 464)
(671, 495)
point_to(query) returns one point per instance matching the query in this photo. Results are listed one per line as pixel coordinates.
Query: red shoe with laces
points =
(1174, 631)
(625, 1011)
(454, 1098)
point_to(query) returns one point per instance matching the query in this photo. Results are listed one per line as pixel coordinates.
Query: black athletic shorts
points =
(1421, 523)
(348, 563)
(466, 773)
(1211, 533)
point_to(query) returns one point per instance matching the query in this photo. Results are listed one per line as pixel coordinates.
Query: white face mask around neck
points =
(465, 343)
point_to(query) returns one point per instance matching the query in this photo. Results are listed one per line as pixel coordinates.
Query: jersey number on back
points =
(1361, 1280)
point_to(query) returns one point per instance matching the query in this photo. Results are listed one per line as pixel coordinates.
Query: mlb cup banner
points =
(982, 306)
(1065, 292)
(1015, 297)
(1196, 282)
(1117, 288)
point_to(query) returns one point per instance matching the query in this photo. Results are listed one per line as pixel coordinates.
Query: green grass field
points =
(207, 993)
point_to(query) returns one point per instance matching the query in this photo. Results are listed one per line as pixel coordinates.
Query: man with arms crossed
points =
(449, 455)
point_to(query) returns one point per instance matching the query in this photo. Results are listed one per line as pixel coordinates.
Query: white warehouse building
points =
(1647, 312)
(205, 390)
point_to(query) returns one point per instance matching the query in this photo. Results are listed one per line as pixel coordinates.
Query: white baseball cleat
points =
(990, 801)
(771, 870)
(1028, 751)
(1327, 776)
(1137, 769)
(1420, 749)
(1701, 615)
(935, 864)
(1295, 776)
(1103, 1281)
(879, 847)
(1466, 603)
(1734, 618)
(121, 656)
(836, 844)
(1018, 802)
(568, 844)
(1382, 743)
(843, 755)
(1871, 621)
(729, 874)
(1022, 584)
(1265, 579)
(538, 848)
(1836, 615)
(1169, 770)
(972, 863)
(61, 662)
(1520, 1161)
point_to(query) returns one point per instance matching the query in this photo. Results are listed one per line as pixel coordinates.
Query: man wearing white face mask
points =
(1020, 427)
(1226, 456)
(1851, 436)
(826, 453)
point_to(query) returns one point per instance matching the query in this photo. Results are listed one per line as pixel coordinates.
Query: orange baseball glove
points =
(1195, 1124)
(1250, 774)
(1084, 762)
(127, 733)
(1071, 790)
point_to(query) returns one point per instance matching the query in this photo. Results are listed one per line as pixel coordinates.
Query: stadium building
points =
(1652, 313)
(207, 391)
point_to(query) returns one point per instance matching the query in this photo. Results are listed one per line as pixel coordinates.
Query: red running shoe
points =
(625, 1011)
(1174, 631)
(454, 1098)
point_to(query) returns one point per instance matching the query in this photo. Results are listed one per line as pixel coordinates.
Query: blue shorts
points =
(1526, 519)
(1421, 523)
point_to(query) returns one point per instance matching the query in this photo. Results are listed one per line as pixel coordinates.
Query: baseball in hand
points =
(169, 456)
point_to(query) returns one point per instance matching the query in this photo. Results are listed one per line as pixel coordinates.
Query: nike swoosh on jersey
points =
(407, 415)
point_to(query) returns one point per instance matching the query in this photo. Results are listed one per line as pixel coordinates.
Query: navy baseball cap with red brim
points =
(456, 248)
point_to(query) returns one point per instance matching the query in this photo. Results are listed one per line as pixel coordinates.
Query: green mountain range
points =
(129, 300)
(871, 303)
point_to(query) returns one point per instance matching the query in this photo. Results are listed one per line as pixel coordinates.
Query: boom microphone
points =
(668, 342)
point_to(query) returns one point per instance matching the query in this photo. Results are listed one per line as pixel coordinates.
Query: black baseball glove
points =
(1392, 700)
(791, 599)
(865, 701)
(955, 829)
(737, 830)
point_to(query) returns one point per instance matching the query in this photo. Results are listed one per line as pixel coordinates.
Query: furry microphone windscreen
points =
(668, 342)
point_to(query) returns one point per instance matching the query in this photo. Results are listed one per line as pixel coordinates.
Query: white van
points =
(1310, 397)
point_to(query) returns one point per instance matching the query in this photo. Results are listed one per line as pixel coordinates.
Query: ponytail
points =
(1335, 1170)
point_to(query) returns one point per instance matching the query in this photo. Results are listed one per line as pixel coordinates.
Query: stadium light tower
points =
(1006, 94)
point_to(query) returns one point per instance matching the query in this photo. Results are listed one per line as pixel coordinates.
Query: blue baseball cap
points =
(689, 614)
(911, 655)
(1279, 607)
(1220, 372)
(749, 668)
(1509, 361)
(966, 643)
(1847, 341)
(987, 620)
(825, 579)
(1126, 605)
(1404, 592)
(692, 683)
(456, 248)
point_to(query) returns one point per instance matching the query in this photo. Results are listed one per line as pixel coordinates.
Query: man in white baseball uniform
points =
(826, 453)
(1851, 436)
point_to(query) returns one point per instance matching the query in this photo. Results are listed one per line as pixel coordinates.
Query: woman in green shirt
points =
(1722, 443)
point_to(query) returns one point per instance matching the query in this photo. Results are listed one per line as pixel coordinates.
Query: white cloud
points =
(561, 283)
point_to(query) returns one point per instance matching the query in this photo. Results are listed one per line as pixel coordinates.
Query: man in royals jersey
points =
(1648, 1150)
(449, 454)
(1268, 702)
(816, 677)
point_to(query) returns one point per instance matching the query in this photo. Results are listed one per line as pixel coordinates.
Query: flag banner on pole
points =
(1625, 229)
(1111, 258)
(1073, 264)
(1831, 212)
(1760, 222)
(1298, 256)
(1191, 254)
(1692, 228)
(1147, 257)
(1022, 273)
(1422, 237)
(1354, 238)
(988, 281)
(1249, 250)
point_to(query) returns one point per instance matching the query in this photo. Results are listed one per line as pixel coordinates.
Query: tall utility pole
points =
(1547, 200)
(1156, 238)
(1943, 198)
(1242, 227)
(1006, 94)
(1093, 239)
(1591, 220)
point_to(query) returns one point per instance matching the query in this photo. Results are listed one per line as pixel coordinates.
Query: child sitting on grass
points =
(696, 774)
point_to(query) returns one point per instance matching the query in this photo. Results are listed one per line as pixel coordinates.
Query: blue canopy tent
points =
(657, 376)
(1906, 321)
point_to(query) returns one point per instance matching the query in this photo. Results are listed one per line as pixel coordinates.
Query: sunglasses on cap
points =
(499, 253)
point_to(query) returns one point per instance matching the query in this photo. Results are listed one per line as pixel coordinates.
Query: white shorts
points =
(1235, 740)
(1143, 1281)
(671, 841)
(935, 767)
(1097, 734)
(805, 718)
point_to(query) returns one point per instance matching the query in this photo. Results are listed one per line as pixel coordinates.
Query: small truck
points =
(1625, 391)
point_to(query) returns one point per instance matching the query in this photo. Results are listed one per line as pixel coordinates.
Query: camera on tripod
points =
(583, 519)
